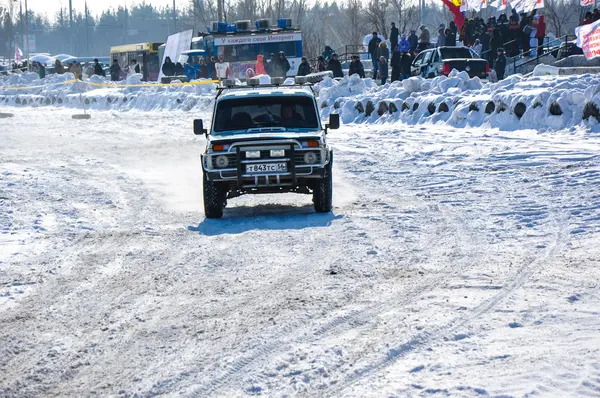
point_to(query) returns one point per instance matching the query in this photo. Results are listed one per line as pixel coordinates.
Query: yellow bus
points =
(146, 55)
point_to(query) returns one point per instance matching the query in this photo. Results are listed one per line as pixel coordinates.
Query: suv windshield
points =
(290, 112)
(455, 52)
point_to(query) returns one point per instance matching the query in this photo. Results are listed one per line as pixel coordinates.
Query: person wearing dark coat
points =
(495, 44)
(212, 71)
(395, 64)
(202, 70)
(281, 66)
(500, 64)
(321, 64)
(373, 48)
(327, 53)
(450, 39)
(168, 68)
(115, 71)
(405, 65)
(383, 70)
(413, 41)
(98, 70)
(394, 35)
(540, 34)
(178, 69)
(304, 68)
(454, 28)
(356, 67)
(335, 66)
(595, 15)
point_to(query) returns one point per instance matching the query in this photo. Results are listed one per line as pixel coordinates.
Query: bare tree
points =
(354, 22)
(408, 14)
(376, 12)
(562, 15)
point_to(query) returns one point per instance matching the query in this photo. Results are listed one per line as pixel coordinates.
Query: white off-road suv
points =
(266, 139)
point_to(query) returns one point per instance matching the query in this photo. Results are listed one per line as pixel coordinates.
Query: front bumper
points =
(298, 174)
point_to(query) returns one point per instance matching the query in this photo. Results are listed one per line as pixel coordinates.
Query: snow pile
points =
(101, 94)
(516, 102)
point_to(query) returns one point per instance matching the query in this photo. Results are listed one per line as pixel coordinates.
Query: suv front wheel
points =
(323, 192)
(214, 199)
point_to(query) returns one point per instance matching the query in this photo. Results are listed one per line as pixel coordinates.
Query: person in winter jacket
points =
(212, 72)
(373, 49)
(76, 70)
(441, 40)
(405, 65)
(270, 65)
(115, 71)
(383, 51)
(394, 34)
(41, 70)
(98, 70)
(404, 45)
(413, 41)
(59, 68)
(395, 64)
(424, 38)
(259, 68)
(327, 53)
(588, 18)
(450, 38)
(454, 28)
(178, 69)
(515, 14)
(321, 64)
(500, 64)
(540, 33)
(383, 70)
(202, 69)
(335, 66)
(281, 66)
(134, 67)
(168, 68)
(595, 15)
(465, 36)
(495, 44)
(304, 68)
(356, 67)
(513, 36)
(477, 47)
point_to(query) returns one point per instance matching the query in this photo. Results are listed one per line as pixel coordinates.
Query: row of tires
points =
(382, 108)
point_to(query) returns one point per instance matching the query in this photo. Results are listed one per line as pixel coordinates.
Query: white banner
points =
(527, 5)
(176, 44)
(257, 39)
(588, 39)
(587, 3)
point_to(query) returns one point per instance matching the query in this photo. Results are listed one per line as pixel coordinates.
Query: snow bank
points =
(101, 94)
(554, 102)
(540, 101)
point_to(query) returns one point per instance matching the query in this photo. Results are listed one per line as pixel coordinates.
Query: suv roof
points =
(265, 91)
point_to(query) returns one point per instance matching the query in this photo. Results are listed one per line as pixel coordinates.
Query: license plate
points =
(266, 168)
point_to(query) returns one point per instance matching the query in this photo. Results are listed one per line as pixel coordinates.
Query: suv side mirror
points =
(334, 121)
(199, 127)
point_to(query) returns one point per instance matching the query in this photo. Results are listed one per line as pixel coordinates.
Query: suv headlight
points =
(222, 161)
(310, 158)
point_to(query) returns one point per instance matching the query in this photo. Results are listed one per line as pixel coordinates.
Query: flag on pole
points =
(502, 5)
(587, 3)
(538, 4)
(18, 55)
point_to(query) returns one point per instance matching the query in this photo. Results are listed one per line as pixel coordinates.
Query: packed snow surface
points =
(456, 261)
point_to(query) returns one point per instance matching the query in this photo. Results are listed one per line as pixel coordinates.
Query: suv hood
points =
(280, 135)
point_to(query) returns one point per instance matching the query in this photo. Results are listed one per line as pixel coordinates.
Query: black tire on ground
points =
(214, 199)
(323, 192)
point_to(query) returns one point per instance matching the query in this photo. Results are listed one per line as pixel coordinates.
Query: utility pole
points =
(27, 35)
(71, 25)
(174, 18)
(87, 32)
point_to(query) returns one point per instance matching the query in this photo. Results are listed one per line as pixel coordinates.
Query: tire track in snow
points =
(252, 364)
(425, 338)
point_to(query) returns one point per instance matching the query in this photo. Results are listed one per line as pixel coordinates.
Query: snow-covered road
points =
(458, 262)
